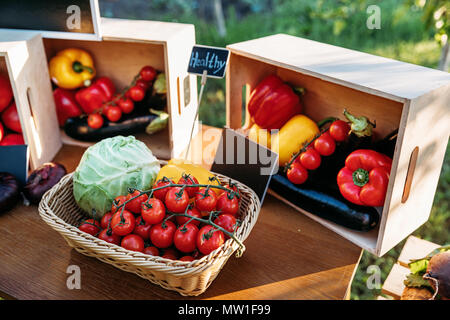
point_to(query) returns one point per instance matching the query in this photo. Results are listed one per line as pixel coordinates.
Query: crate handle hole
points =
(179, 95)
(246, 119)
(33, 125)
(410, 174)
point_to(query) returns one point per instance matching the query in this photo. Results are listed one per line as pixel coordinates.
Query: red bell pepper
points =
(92, 98)
(272, 103)
(66, 105)
(365, 177)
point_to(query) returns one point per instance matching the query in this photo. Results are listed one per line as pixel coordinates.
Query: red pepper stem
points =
(360, 177)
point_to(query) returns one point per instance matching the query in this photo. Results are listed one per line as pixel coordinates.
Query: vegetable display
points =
(108, 168)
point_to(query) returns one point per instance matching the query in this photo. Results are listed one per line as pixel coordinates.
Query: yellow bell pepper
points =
(175, 168)
(72, 68)
(259, 135)
(292, 136)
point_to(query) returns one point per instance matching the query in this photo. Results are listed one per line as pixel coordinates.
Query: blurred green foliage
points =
(405, 35)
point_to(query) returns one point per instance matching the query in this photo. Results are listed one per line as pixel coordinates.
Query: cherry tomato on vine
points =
(209, 239)
(104, 222)
(136, 93)
(325, 145)
(161, 234)
(297, 174)
(228, 204)
(310, 159)
(153, 211)
(117, 203)
(133, 242)
(339, 130)
(176, 200)
(185, 238)
(95, 121)
(161, 193)
(90, 226)
(135, 204)
(143, 84)
(126, 105)
(113, 113)
(123, 223)
(142, 228)
(206, 199)
(148, 73)
(170, 254)
(151, 250)
(189, 179)
(228, 222)
(193, 212)
(109, 236)
(187, 258)
(234, 188)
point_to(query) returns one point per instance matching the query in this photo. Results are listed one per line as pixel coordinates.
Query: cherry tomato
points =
(161, 193)
(193, 212)
(95, 121)
(176, 200)
(104, 222)
(117, 203)
(206, 199)
(109, 236)
(161, 234)
(185, 238)
(114, 113)
(6, 93)
(90, 226)
(189, 179)
(10, 118)
(234, 188)
(12, 139)
(123, 223)
(135, 204)
(228, 222)
(126, 105)
(143, 84)
(310, 159)
(209, 239)
(133, 242)
(339, 130)
(297, 174)
(142, 228)
(170, 254)
(147, 73)
(325, 144)
(136, 93)
(187, 258)
(153, 211)
(151, 250)
(228, 204)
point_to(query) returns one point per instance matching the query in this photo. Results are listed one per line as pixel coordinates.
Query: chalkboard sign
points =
(245, 161)
(212, 59)
(66, 19)
(14, 160)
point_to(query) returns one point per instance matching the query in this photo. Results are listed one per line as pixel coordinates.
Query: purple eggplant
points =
(9, 191)
(43, 179)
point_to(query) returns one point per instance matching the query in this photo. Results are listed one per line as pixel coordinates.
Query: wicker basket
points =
(59, 210)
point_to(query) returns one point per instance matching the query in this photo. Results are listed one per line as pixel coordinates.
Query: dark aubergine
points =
(326, 203)
(43, 179)
(9, 191)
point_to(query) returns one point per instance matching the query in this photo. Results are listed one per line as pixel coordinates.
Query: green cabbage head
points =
(108, 168)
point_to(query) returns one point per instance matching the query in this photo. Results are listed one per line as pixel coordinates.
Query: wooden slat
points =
(415, 248)
(393, 285)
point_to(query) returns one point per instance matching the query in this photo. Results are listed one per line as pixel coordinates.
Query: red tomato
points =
(161, 193)
(189, 179)
(12, 139)
(10, 118)
(206, 200)
(233, 187)
(126, 104)
(176, 200)
(113, 113)
(6, 93)
(151, 250)
(325, 144)
(109, 236)
(135, 204)
(228, 222)
(228, 204)
(123, 223)
(193, 212)
(161, 234)
(297, 174)
(104, 222)
(117, 203)
(143, 84)
(187, 258)
(95, 121)
(185, 238)
(153, 211)
(2, 131)
(148, 73)
(136, 93)
(142, 228)
(339, 130)
(209, 240)
(90, 226)
(133, 242)
(310, 159)
(170, 254)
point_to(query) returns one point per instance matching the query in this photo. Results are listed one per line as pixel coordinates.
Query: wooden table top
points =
(288, 256)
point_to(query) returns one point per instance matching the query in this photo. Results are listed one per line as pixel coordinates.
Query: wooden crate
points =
(22, 58)
(397, 95)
